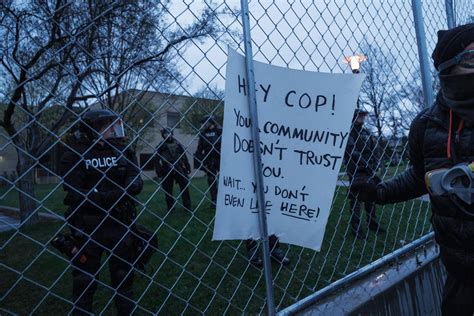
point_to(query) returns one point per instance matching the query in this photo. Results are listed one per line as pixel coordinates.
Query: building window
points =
(146, 162)
(172, 119)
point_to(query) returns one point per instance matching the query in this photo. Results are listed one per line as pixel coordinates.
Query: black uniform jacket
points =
(100, 178)
(207, 156)
(171, 156)
(361, 153)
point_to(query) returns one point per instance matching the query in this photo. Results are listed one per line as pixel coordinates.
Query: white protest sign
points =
(304, 121)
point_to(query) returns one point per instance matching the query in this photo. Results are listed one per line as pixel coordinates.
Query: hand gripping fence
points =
(161, 65)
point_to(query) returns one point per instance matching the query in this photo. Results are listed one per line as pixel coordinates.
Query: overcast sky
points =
(316, 36)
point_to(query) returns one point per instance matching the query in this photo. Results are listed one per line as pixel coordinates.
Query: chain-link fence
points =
(161, 67)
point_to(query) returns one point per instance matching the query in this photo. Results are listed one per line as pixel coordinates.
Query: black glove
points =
(366, 190)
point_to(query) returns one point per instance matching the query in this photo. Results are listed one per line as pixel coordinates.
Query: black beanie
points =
(452, 42)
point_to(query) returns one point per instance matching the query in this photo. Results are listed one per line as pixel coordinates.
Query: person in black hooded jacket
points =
(442, 136)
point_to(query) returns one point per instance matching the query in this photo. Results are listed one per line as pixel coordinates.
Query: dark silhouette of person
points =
(362, 160)
(207, 156)
(172, 165)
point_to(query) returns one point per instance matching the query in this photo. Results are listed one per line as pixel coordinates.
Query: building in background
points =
(145, 113)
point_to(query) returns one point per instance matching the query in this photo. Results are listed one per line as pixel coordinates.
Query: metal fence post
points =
(257, 157)
(422, 52)
(451, 19)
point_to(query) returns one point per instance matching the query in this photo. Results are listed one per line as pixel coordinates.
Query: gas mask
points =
(456, 182)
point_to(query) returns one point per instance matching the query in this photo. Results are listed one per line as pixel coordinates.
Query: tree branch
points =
(9, 70)
(17, 40)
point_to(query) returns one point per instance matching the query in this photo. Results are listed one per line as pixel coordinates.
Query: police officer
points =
(207, 156)
(362, 161)
(171, 164)
(101, 178)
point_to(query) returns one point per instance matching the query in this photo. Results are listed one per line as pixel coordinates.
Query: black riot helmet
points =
(359, 113)
(102, 123)
(208, 119)
(165, 132)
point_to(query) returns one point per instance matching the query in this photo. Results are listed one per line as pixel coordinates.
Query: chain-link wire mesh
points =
(160, 66)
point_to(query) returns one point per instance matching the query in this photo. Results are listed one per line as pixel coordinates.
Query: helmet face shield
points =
(119, 130)
(166, 132)
(114, 130)
(102, 123)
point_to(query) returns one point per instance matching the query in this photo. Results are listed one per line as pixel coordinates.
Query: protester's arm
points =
(409, 184)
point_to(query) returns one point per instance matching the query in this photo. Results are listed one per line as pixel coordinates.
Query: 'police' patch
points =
(101, 162)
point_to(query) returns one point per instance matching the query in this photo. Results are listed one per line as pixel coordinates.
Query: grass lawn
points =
(191, 273)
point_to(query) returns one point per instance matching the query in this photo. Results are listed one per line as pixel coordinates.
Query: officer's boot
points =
(121, 276)
(214, 193)
(124, 297)
(277, 254)
(83, 289)
(253, 254)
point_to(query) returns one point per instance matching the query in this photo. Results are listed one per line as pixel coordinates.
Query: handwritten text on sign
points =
(304, 122)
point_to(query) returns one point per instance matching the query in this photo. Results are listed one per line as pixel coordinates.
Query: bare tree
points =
(379, 84)
(148, 63)
(207, 101)
(60, 53)
(412, 95)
